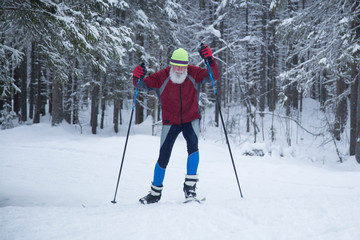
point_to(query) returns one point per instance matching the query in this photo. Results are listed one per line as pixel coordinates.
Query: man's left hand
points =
(206, 53)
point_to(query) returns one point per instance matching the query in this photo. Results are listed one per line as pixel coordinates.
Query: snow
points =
(287, 21)
(273, 5)
(344, 20)
(221, 7)
(323, 61)
(214, 31)
(94, 32)
(250, 39)
(355, 48)
(57, 184)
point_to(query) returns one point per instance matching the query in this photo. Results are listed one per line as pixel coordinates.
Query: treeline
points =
(64, 57)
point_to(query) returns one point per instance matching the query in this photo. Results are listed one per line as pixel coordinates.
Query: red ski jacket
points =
(179, 102)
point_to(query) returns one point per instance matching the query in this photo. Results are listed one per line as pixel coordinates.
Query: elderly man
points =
(178, 87)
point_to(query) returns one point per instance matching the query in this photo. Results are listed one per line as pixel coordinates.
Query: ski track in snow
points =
(61, 187)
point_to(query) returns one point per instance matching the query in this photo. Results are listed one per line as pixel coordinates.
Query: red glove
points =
(138, 72)
(206, 53)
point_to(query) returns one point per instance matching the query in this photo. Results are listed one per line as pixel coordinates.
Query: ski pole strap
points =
(138, 82)
(211, 75)
(136, 92)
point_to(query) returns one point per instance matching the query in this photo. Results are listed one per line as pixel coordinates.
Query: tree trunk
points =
(357, 147)
(271, 63)
(44, 91)
(16, 94)
(57, 103)
(139, 115)
(288, 123)
(293, 86)
(263, 78)
(255, 132)
(288, 101)
(94, 107)
(353, 108)
(103, 102)
(151, 106)
(75, 114)
(158, 111)
(322, 88)
(355, 88)
(37, 102)
(23, 99)
(120, 112)
(247, 65)
(68, 98)
(32, 81)
(287, 105)
(50, 94)
(116, 115)
(103, 108)
(36, 73)
(341, 110)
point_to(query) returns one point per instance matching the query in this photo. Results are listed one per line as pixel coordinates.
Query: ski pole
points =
(127, 135)
(221, 117)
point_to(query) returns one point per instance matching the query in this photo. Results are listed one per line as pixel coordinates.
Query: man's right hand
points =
(138, 72)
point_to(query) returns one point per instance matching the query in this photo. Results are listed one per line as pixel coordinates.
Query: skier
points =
(178, 87)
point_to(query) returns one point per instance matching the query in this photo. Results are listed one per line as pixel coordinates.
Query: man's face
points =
(179, 69)
(178, 74)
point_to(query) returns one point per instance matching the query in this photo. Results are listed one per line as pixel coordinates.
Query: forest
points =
(73, 60)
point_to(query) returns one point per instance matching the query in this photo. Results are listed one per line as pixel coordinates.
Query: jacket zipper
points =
(181, 117)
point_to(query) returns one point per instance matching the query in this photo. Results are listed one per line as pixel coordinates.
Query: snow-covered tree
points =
(321, 35)
(63, 32)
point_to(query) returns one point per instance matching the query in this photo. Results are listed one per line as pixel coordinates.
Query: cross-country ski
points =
(197, 200)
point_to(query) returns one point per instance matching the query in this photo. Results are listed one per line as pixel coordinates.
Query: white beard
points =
(176, 77)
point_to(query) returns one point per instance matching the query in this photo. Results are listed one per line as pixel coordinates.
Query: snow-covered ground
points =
(56, 183)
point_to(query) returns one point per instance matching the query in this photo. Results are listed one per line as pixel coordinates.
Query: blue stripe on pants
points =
(192, 163)
(159, 174)
(190, 132)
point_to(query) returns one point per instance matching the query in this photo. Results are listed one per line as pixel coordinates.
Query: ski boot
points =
(190, 186)
(153, 196)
